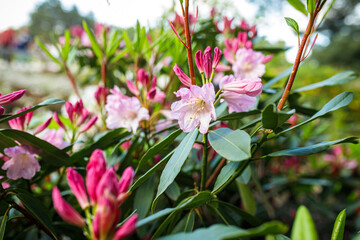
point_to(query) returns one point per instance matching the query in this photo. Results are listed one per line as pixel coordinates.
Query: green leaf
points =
(94, 44)
(247, 198)
(156, 148)
(232, 145)
(298, 5)
(220, 231)
(245, 176)
(159, 230)
(303, 227)
(277, 78)
(237, 116)
(173, 191)
(225, 173)
(3, 223)
(176, 161)
(129, 45)
(67, 45)
(114, 43)
(272, 118)
(339, 226)
(302, 151)
(108, 139)
(6, 142)
(311, 6)
(148, 174)
(43, 104)
(36, 209)
(50, 154)
(42, 46)
(195, 201)
(293, 24)
(186, 224)
(143, 197)
(337, 79)
(337, 102)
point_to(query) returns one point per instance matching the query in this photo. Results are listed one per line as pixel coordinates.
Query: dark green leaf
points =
(156, 148)
(237, 116)
(148, 174)
(245, 176)
(301, 151)
(225, 173)
(337, 102)
(232, 145)
(272, 118)
(339, 226)
(173, 191)
(94, 44)
(339, 78)
(303, 227)
(108, 139)
(50, 154)
(219, 231)
(6, 142)
(176, 161)
(43, 104)
(247, 198)
(195, 201)
(4, 220)
(36, 209)
(298, 5)
(144, 196)
(293, 24)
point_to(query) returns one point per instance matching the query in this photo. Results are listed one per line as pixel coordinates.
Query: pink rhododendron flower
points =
(196, 107)
(127, 228)
(239, 94)
(22, 163)
(95, 169)
(248, 64)
(124, 111)
(65, 210)
(9, 98)
(77, 186)
(55, 137)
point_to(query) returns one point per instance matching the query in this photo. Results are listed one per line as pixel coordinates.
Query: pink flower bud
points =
(77, 186)
(42, 126)
(28, 116)
(89, 124)
(2, 110)
(78, 107)
(133, 89)
(267, 58)
(106, 217)
(199, 61)
(58, 121)
(229, 56)
(126, 179)
(12, 97)
(95, 169)
(217, 56)
(69, 110)
(84, 115)
(207, 62)
(127, 228)
(153, 82)
(184, 79)
(142, 77)
(100, 95)
(108, 182)
(151, 94)
(65, 210)
(250, 87)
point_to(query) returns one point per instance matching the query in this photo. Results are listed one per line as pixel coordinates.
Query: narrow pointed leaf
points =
(339, 226)
(293, 24)
(303, 227)
(298, 5)
(43, 47)
(94, 44)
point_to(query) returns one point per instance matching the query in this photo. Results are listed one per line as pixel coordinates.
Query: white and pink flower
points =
(248, 63)
(196, 107)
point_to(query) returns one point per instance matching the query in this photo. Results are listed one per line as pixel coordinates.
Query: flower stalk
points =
(188, 43)
(204, 163)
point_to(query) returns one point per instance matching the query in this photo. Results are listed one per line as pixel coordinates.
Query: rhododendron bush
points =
(171, 137)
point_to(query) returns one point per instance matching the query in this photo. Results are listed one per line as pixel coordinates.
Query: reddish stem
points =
(188, 43)
(215, 173)
(72, 80)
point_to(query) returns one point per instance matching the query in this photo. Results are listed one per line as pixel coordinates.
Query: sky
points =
(124, 13)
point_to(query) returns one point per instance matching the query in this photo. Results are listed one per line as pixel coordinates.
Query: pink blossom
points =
(12, 97)
(126, 179)
(65, 210)
(239, 94)
(95, 169)
(156, 95)
(55, 137)
(100, 95)
(184, 79)
(196, 107)
(76, 31)
(124, 112)
(21, 123)
(132, 88)
(248, 64)
(22, 163)
(127, 228)
(205, 62)
(77, 186)
(42, 126)
(142, 77)
(108, 182)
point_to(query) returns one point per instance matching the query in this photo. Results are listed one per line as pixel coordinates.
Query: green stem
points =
(202, 78)
(204, 163)
(212, 75)
(89, 221)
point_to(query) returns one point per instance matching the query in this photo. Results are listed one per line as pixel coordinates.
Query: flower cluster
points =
(102, 195)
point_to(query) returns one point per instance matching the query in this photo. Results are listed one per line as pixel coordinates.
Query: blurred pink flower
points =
(127, 228)
(196, 107)
(95, 169)
(184, 79)
(77, 186)
(9, 98)
(22, 163)
(65, 210)
(239, 94)
(124, 112)
(55, 137)
(248, 64)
